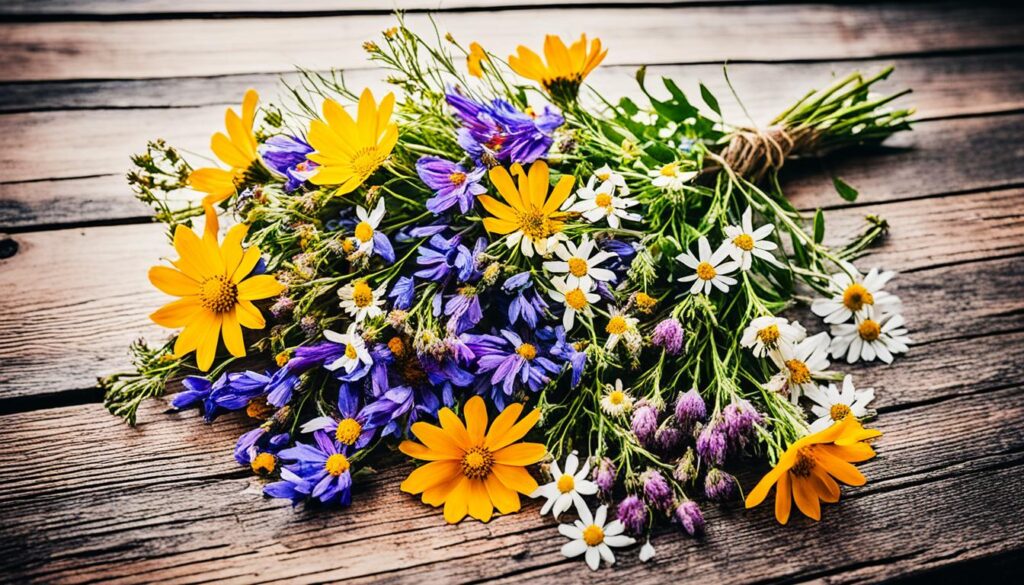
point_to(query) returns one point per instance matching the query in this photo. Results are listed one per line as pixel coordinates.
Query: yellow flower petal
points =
(249, 316)
(417, 451)
(515, 478)
(429, 475)
(258, 287)
(457, 504)
(173, 282)
(189, 338)
(206, 350)
(475, 412)
(176, 314)
(504, 499)
(516, 432)
(437, 494)
(806, 499)
(783, 499)
(455, 429)
(502, 424)
(480, 506)
(520, 454)
(233, 334)
(437, 440)
(231, 248)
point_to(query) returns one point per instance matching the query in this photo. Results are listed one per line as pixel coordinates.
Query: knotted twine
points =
(752, 153)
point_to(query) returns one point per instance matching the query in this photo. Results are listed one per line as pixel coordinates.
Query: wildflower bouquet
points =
(498, 256)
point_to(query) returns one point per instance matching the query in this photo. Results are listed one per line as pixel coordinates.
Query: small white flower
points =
(766, 334)
(832, 406)
(592, 536)
(647, 551)
(619, 326)
(616, 401)
(575, 299)
(606, 174)
(360, 301)
(355, 350)
(609, 200)
(709, 268)
(566, 488)
(745, 242)
(367, 226)
(852, 296)
(578, 265)
(871, 336)
(806, 361)
(670, 178)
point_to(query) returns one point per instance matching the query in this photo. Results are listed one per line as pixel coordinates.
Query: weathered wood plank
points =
(144, 49)
(92, 282)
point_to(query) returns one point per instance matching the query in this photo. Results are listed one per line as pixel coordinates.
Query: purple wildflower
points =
(604, 476)
(320, 471)
(356, 426)
(286, 156)
(686, 467)
(451, 183)
(258, 449)
(281, 386)
(440, 258)
(497, 132)
(740, 418)
(719, 485)
(282, 307)
(668, 437)
(526, 303)
(463, 310)
(657, 491)
(690, 410)
(199, 390)
(566, 352)
(401, 401)
(669, 335)
(713, 442)
(403, 293)
(507, 363)
(645, 422)
(632, 512)
(689, 515)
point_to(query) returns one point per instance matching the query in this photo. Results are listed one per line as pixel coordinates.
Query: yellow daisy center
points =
(397, 346)
(670, 170)
(364, 232)
(477, 463)
(218, 294)
(258, 408)
(869, 330)
(351, 352)
(805, 462)
(603, 176)
(578, 266)
(336, 464)
(366, 160)
(593, 535)
(645, 301)
(617, 397)
(576, 299)
(527, 351)
(362, 294)
(798, 371)
(535, 225)
(348, 431)
(263, 464)
(744, 242)
(348, 245)
(566, 483)
(839, 411)
(457, 178)
(856, 296)
(603, 200)
(706, 271)
(769, 335)
(617, 325)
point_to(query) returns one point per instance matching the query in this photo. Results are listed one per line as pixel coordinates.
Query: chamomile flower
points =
(832, 405)
(608, 200)
(580, 264)
(355, 350)
(670, 177)
(360, 301)
(709, 268)
(853, 295)
(745, 242)
(620, 325)
(769, 333)
(367, 236)
(876, 335)
(799, 366)
(591, 537)
(574, 299)
(616, 401)
(567, 487)
(606, 174)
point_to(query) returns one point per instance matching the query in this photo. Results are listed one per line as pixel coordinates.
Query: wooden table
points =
(85, 498)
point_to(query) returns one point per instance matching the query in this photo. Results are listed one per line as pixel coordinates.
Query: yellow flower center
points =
(769, 335)
(263, 464)
(603, 200)
(798, 372)
(351, 352)
(397, 346)
(477, 463)
(645, 301)
(616, 325)
(805, 462)
(457, 178)
(362, 294)
(578, 266)
(347, 245)
(364, 232)
(839, 411)
(856, 296)
(593, 535)
(258, 408)
(536, 225)
(336, 464)
(869, 330)
(603, 176)
(617, 397)
(218, 294)
(366, 160)
(566, 483)
(706, 271)
(576, 299)
(744, 242)
(670, 170)
(348, 431)
(527, 351)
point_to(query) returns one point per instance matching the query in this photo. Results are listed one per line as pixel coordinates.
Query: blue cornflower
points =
(240, 389)
(507, 363)
(199, 390)
(499, 132)
(321, 471)
(281, 386)
(451, 183)
(400, 401)
(566, 351)
(286, 156)
(526, 303)
(463, 310)
(403, 292)
(442, 257)
(356, 427)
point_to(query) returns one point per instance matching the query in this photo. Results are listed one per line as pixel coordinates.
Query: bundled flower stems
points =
(530, 289)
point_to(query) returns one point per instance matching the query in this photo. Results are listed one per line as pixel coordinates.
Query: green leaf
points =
(819, 227)
(845, 191)
(709, 99)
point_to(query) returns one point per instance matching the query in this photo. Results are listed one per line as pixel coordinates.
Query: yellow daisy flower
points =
(808, 470)
(471, 471)
(216, 293)
(474, 60)
(237, 149)
(566, 67)
(349, 151)
(529, 217)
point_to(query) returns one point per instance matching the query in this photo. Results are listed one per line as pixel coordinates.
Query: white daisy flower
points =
(360, 301)
(616, 401)
(575, 299)
(620, 325)
(355, 350)
(647, 551)
(806, 361)
(566, 488)
(769, 333)
(852, 296)
(592, 536)
(578, 264)
(670, 178)
(606, 174)
(745, 242)
(874, 335)
(708, 267)
(832, 405)
(367, 227)
(608, 200)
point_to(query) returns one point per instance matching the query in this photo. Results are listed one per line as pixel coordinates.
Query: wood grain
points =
(150, 49)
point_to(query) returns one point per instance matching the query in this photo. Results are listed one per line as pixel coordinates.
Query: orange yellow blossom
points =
(566, 67)
(216, 292)
(237, 149)
(529, 217)
(470, 470)
(808, 470)
(475, 60)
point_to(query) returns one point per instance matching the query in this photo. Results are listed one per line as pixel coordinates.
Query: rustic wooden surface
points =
(83, 498)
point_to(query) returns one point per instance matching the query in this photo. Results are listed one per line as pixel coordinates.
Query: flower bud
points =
(719, 485)
(632, 512)
(688, 514)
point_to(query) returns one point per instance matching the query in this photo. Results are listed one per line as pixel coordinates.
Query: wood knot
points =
(8, 247)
